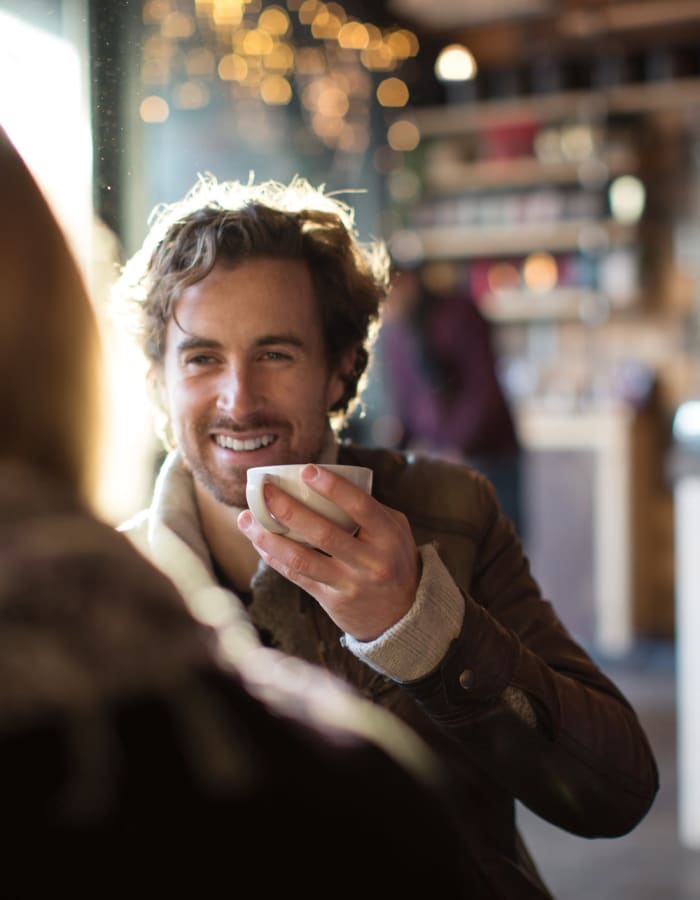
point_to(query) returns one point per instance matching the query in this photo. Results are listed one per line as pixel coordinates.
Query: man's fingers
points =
(354, 501)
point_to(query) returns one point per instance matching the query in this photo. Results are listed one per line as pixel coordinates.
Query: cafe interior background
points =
(543, 153)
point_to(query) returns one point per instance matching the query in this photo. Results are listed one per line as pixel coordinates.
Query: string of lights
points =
(332, 65)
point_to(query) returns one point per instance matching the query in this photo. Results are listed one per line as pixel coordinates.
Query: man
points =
(256, 308)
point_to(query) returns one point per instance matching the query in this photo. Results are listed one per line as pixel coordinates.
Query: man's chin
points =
(228, 491)
(230, 495)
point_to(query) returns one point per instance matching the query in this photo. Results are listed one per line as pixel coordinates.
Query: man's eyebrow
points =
(192, 342)
(293, 339)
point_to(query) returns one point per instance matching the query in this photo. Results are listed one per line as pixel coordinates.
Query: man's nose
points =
(236, 392)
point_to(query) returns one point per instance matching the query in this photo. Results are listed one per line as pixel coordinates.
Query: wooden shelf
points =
(452, 174)
(646, 97)
(559, 304)
(468, 242)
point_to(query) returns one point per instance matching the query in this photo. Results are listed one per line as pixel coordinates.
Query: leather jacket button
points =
(466, 679)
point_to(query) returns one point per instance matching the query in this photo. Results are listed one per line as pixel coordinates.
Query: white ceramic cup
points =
(288, 478)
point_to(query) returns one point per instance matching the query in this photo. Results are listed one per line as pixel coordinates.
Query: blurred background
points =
(534, 166)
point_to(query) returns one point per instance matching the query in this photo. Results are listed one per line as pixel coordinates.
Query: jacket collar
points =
(176, 544)
(174, 506)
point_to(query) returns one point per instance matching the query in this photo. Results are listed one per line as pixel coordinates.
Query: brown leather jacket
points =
(585, 765)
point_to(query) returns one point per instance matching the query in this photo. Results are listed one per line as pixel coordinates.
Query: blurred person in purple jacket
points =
(442, 382)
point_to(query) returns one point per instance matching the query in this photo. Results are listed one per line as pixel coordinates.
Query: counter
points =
(606, 434)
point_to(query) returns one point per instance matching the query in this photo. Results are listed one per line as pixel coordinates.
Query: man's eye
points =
(275, 355)
(200, 359)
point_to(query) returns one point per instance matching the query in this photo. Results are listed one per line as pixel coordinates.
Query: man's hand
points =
(365, 583)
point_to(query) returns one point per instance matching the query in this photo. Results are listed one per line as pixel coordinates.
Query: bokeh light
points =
(455, 63)
(267, 54)
(540, 272)
(627, 197)
(154, 109)
(503, 276)
(191, 95)
(392, 92)
(275, 90)
(403, 135)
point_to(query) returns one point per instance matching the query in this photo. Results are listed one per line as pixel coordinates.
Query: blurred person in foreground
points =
(136, 741)
(256, 306)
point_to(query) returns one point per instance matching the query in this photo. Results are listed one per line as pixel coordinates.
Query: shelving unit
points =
(526, 306)
(503, 241)
(454, 175)
(647, 97)
(483, 199)
(470, 212)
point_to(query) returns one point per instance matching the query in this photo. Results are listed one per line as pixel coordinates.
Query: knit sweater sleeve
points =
(418, 642)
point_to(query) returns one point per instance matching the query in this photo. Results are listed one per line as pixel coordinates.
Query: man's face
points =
(245, 376)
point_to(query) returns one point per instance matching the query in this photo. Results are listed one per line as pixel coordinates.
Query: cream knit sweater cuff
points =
(418, 642)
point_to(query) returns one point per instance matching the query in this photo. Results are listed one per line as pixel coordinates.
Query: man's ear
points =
(340, 376)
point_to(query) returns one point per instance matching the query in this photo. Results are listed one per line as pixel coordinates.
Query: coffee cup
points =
(288, 478)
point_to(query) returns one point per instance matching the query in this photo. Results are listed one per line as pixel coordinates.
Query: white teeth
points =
(251, 444)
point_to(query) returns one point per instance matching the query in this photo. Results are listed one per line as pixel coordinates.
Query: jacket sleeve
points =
(586, 765)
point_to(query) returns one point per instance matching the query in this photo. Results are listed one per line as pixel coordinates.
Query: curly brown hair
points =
(233, 222)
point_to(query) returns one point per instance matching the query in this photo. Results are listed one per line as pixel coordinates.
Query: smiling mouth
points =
(231, 443)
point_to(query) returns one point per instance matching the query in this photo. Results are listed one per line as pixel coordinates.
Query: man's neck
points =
(232, 552)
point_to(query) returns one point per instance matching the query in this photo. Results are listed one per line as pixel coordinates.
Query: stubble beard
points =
(226, 488)
(230, 489)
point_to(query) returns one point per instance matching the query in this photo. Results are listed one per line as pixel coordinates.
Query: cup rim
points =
(288, 466)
